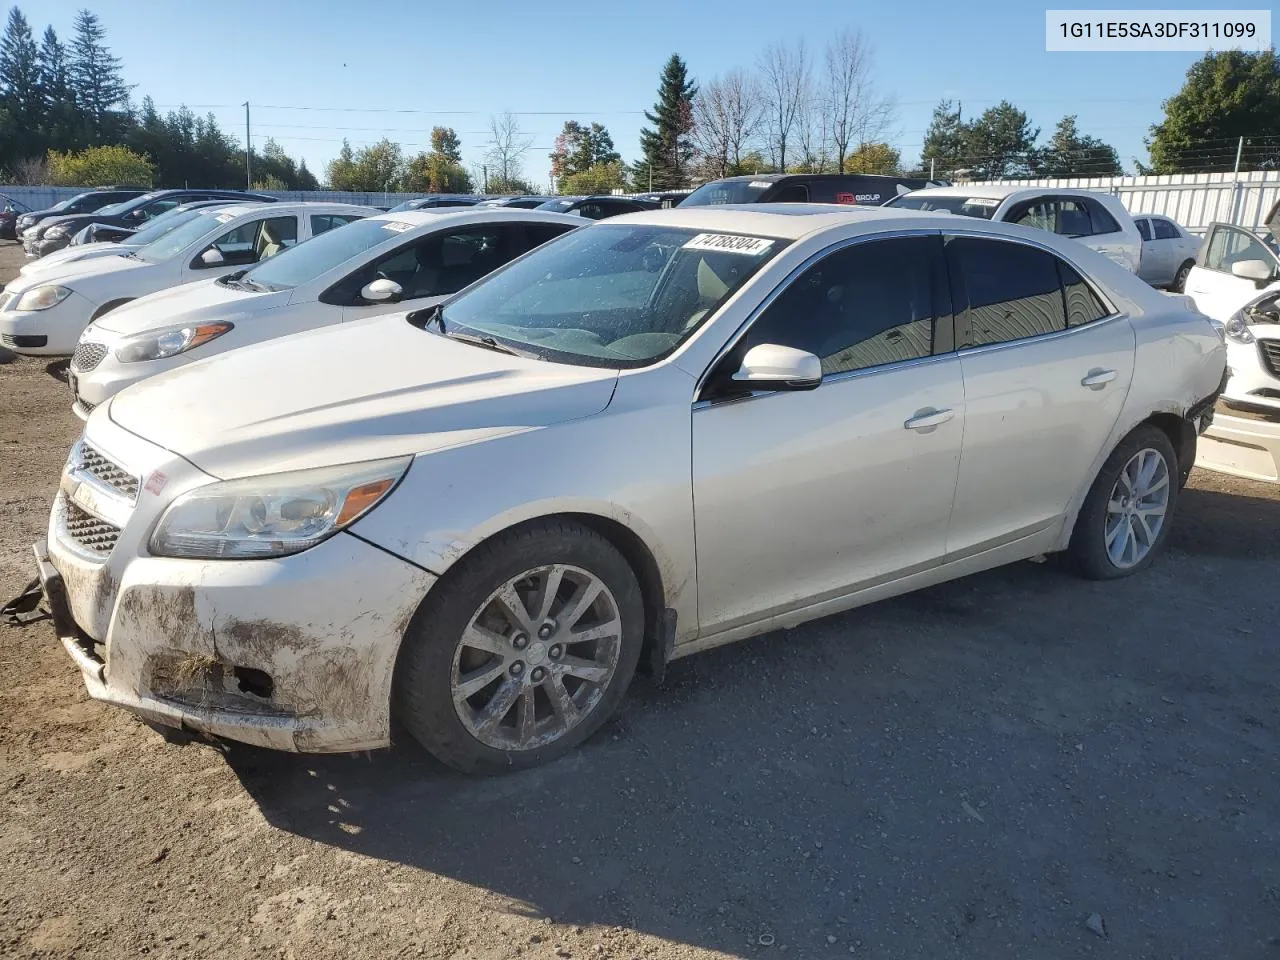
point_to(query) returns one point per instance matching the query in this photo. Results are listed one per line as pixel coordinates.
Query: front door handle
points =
(1097, 378)
(928, 418)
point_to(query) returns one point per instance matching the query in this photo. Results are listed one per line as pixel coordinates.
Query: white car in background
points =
(1168, 251)
(479, 518)
(1236, 281)
(1098, 220)
(155, 229)
(45, 313)
(378, 265)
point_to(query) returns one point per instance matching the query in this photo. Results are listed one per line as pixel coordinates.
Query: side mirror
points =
(382, 290)
(1258, 271)
(212, 257)
(771, 366)
(138, 215)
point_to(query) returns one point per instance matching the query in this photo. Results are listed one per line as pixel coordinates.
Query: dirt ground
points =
(971, 771)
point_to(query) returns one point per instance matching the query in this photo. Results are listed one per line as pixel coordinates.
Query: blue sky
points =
(353, 65)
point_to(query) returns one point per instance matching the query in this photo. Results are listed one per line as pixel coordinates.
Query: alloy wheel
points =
(1136, 508)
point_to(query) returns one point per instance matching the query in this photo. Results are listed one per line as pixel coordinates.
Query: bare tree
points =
(30, 171)
(857, 113)
(507, 146)
(813, 135)
(726, 115)
(784, 76)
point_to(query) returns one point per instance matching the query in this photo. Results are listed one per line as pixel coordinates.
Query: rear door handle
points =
(928, 418)
(1097, 378)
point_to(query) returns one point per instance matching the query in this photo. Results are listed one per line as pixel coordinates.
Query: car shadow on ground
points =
(990, 760)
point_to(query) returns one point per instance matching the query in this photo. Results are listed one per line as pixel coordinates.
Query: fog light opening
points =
(255, 682)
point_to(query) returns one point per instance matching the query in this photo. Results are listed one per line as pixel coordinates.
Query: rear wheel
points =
(1125, 517)
(523, 652)
(1179, 284)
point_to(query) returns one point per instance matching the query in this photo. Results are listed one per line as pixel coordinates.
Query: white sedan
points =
(45, 313)
(1236, 281)
(1168, 251)
(480, 517)
(377, 265)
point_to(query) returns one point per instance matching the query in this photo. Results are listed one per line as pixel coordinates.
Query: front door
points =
(1046, 368)
(802, 496)
(1217, 291)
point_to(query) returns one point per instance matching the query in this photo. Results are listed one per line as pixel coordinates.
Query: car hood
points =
(69, 273)
(85, 251)
(72, 221)
(192, 302)
(363, 390)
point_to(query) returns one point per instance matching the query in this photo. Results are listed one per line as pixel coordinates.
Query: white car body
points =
(1168, 250)
(1110, 230)
(91, 288)
(255, 316)
(1244, 438)
(806, 498)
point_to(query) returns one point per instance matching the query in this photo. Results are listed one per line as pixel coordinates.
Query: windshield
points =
(611, 295)
(307, 261)
(407, 205)
(109, 210)
(177, 240)
(560, 205)
(63, 204)
(726, 191)
(168, 221)
(984, 207)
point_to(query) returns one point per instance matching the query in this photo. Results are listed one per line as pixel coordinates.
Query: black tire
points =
(1087, 553)
(421, 695)
(1179, 284)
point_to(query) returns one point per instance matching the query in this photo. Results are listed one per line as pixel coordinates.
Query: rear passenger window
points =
(1164, 230)
(864, 306)
(536, 234)
(1083, 305)
(1012, 291)
(1144, 229)
(1103, 221)
(792, 193)
(324, 222)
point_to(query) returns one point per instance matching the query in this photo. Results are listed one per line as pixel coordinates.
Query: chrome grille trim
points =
(1269, 352)
(97, 536)
(107, 471)
(87, 356)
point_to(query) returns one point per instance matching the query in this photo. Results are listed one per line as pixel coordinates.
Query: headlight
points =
(168, 343)
(1236, 329)
(273, 515)
(42, 298)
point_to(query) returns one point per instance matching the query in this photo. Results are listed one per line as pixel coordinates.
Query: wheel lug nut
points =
(537, 675)
(517, 668)
(520, 641)
(555, 651)
(546, 629)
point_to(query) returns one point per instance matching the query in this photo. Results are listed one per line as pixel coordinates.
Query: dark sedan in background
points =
(9, 213)
(596, 208)
(86, 202)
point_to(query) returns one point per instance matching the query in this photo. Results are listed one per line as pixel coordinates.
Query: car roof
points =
(998, 192)
(296, 206)
(789, 221)
(476, 214)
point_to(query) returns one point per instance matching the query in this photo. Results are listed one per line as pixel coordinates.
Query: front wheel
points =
(523, 651)
(1125, 517)
(1179, 284)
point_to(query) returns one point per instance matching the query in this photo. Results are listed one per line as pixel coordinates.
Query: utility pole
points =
(651, 176)
(931, 168)
(485, 169)
(1239, 150)
(248, 149)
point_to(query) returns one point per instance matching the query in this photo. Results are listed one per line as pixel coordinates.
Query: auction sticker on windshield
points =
(224, 217)
(981, 202)
(728, 243)
(397, 226)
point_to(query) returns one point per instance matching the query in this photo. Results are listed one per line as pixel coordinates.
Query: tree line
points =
(67, 116)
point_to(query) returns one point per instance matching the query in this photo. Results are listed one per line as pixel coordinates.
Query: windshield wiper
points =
(489, 343)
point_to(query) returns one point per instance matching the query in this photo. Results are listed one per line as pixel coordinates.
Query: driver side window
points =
(1231, 245)
(432, 266)
(866, 305)
(255, 240)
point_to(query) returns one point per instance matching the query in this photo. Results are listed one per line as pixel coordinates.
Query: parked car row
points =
(450, 467)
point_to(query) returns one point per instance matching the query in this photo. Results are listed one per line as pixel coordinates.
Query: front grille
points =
(8, 340)
(85, 406)
(1269, 350)
(90, 532)
(87, 356)
(108, 471)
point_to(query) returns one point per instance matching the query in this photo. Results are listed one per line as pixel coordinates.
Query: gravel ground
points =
(1018, 764)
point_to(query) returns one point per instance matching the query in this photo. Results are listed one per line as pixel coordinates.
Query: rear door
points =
(1217, 291)
(1046, 364)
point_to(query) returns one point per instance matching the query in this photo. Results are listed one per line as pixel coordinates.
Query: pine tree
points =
(95, 77)
(55, 93)
(944, 140)
(20, 90)
(668, 147)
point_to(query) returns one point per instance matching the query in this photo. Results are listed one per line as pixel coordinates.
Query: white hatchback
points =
(44, 314)
(1098, 220)
(374, 266)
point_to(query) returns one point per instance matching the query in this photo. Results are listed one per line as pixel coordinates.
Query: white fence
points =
(1195, 200)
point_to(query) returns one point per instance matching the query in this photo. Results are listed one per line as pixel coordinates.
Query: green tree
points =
(944, 140)
(600, 178)
(1001, 143)
(434, 172)
(667, 148)
(445, 141)
(873, 158)
(96, 82)
(276, 166)
(99, 166)
(20, 90)
(1226, 95)
(60, 115)
(1070, 153)
(341, 170)
(378, 167)
(580, 147)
